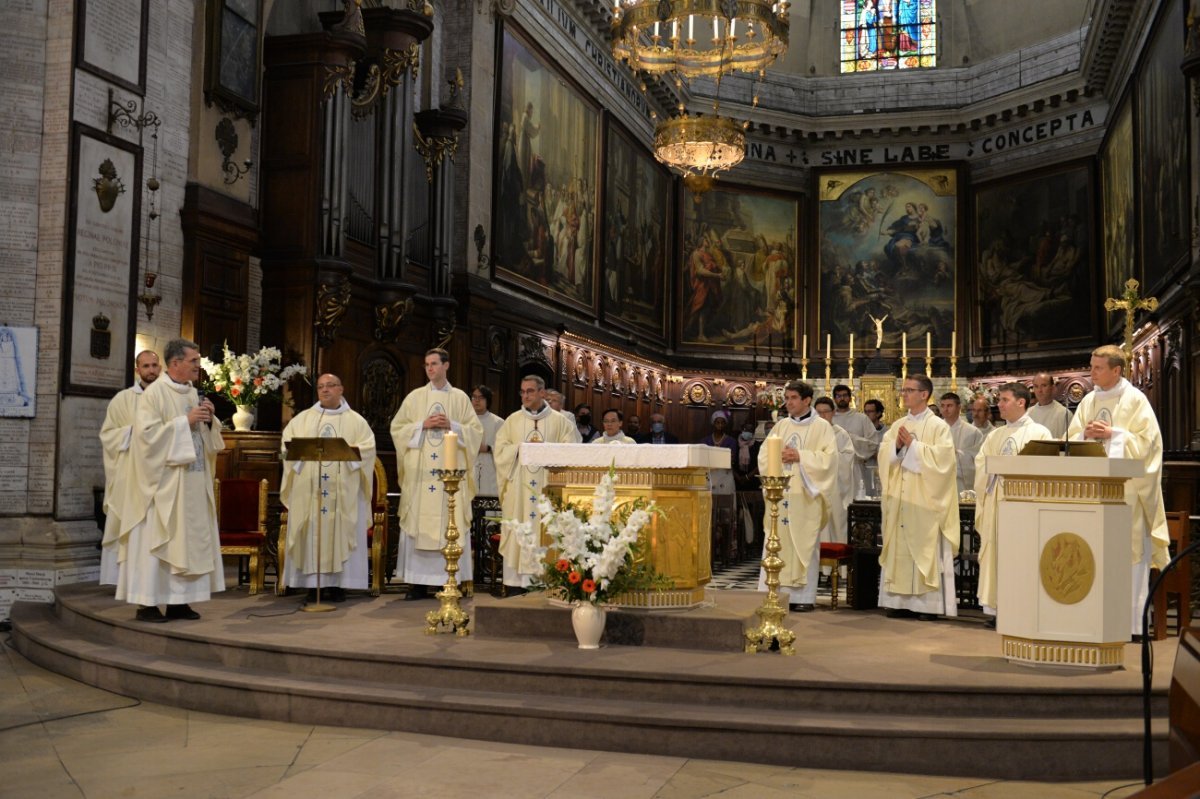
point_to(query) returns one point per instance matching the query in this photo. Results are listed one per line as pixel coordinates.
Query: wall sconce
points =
(480, 237)
(127, 116)
(227, 141)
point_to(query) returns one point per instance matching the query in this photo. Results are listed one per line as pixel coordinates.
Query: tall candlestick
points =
(851, 345)
(904, 345)
(928, 345)
(451, 455)
(774, 456)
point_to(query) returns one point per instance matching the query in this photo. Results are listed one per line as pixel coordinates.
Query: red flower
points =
(237, 381)
(574, 577)
(589, 586)
(235, 391)
(563, 565)
(258, 381)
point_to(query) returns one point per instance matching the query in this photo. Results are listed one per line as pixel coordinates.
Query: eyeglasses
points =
(911, 390)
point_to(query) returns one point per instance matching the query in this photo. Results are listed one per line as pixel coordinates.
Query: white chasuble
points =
(485, 463)
(920, 515)
(835, 528)
(989, 490)
(967, 440)
(521, 486)
(808, 502)
(1054, 416)
(1135, 434)
(168, 510)
(419, 452)
(116, 440)
(338, 491)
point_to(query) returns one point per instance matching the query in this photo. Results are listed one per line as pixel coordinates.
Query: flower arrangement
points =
(599, 555)
(249, 379)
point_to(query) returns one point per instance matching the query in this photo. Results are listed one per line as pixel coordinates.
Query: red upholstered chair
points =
(835, 555)
(242, 521)
(1178, 582)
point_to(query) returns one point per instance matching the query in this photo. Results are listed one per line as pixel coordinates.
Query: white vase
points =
(588, 620)
(243, 418)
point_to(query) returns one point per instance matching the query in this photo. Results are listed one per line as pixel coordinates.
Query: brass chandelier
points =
(699, 145)
(696, 38)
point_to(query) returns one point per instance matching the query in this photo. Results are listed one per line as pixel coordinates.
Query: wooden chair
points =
(242, 523)
(377, 535)
(835, 555)
(1178, 582)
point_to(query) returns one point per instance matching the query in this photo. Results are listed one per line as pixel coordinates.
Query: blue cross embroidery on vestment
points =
(325, 493)
(324, 510)
(785, 521)
(432, 489)
(533, 498)
(433, 456)
(785, 504)
(533, 483)
(324, 476)
(533, 514)
(433, 472)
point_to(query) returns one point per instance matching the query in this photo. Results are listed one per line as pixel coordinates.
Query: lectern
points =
(322, 450)
(1064, 559)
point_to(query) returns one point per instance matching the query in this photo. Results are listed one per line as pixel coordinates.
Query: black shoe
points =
(310, 597)
(802, 607)
(927, 616)
(181, 612)
(823, 581)
(416, 592)
(899, 613)
(334, 594)
(990, 623)
(151, 614)
(511, 591)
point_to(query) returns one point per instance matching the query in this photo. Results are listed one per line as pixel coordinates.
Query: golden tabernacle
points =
(673, 476)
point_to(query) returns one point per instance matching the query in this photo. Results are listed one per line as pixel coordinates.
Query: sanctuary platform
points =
(863, 692)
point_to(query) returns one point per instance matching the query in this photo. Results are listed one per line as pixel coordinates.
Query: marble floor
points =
(61, 738)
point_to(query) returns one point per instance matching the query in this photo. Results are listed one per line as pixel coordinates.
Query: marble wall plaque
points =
(80, 456)
(111, 40)
(102, 263)
(18, 371)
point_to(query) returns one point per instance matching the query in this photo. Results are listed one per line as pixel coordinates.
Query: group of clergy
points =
(160, 439)
(926, 461)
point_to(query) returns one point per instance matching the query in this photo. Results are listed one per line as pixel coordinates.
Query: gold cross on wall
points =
(1130, 303)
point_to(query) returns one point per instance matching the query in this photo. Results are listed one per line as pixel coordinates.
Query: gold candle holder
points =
(828, 373)
(850, 382)
(804, 369)
(929, 368)
(954, 373)
(453, 617)
(772, 613)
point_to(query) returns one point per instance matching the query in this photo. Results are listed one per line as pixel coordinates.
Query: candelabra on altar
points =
(450, 614)
(828, 374)
(771, 614)
(954, 373)
(804, 369)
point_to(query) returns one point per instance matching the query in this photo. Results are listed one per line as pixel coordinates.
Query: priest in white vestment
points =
(485, 463)
(917, 468)
(337, 492)
(835, 529)
(967, 438)
(1019, 429)
(116, 440)
(809, 454)
(419, 431)
(555, 398)
(535, 422)
(169, 549)
(1119, 416)
(861, 431)
(981, 415)
(611, 432)
(1047, 411)
(874, 411)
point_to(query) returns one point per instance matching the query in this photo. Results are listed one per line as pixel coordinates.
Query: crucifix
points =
(1130, 303)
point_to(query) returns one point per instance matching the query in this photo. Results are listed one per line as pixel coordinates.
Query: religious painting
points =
(737, 286)
(110, 40)
(1033, 261)
(102, 263)
(887, 252)
(546, 188)
(18, 372)
(1162, 155)
(636, 237)
(1118, 214)
(888, 34)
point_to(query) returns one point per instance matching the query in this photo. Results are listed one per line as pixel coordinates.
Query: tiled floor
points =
(61, 738)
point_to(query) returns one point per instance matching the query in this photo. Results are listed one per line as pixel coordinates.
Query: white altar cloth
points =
(641, 456)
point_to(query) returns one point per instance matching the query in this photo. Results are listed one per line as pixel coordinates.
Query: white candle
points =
(774, 457)
(904, 345)
(953, 341)
(928, 345)
(804, 346)
(451, 442)
(851, 345)
(828, 346)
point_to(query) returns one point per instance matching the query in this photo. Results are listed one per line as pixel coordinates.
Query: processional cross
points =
(1130, 303)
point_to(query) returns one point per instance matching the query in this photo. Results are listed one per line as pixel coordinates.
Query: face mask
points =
(658, 427)
(747, 436)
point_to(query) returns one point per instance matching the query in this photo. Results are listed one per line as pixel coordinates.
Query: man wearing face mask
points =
(658, 432)
(583, 421)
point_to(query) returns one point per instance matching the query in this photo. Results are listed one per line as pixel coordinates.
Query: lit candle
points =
(804, 346)
(953, 342)
(904, 345)
(715, 35)
(451, 441)
(851, 345)
(828, 346)
(691, 27)
(928, 345)
(774, 456)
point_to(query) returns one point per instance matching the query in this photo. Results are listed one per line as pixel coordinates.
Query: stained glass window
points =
(888, 34)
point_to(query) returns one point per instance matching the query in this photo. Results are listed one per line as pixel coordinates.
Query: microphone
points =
(200, 398)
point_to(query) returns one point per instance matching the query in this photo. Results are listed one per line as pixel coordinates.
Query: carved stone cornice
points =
(435, 135)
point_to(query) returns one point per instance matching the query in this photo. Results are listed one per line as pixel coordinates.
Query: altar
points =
(675, 477)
